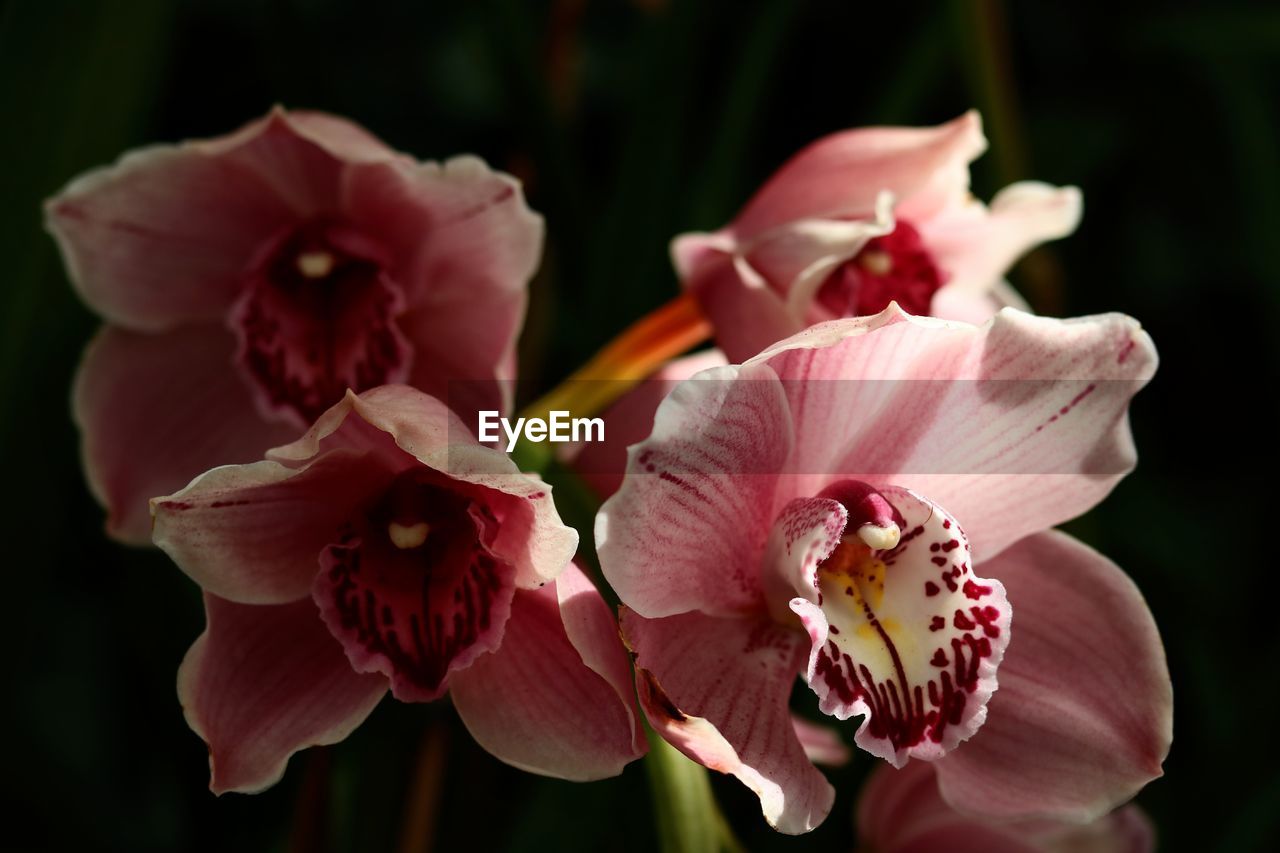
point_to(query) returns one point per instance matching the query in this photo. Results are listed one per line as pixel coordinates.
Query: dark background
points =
(632, 121)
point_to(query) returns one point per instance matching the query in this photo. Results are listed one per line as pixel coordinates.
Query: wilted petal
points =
(718, 690)
(263, 682)
(686, 528)
(1083, 717)
(556, 698)
(143, 434)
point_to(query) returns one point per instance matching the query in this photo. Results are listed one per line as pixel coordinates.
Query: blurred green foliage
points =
(632, 121)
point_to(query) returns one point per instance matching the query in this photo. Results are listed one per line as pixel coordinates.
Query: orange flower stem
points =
(629, 359)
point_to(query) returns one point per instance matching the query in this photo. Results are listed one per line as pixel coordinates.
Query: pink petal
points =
(263, 682)
(1083, 718)
(143, 404)
(744, 309)
(629, 421)
(687, 527)
(302, 157)
(531, 536)
(901, 811)
(465, 245)
(822, 744)
(718, 689)
(1013, 427)
(253, 533)
(161, 238)
(977, 246)
(557, 697)
(841, 175)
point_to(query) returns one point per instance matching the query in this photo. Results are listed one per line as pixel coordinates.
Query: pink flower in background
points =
(902, 811)
(248, 281)
(862, 218)
(866, 504)
(386, 549)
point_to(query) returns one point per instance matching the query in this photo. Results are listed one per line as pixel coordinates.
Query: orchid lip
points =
(903, 632)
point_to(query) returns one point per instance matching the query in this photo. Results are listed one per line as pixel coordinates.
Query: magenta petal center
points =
(316, 316)
(894, 268)
(904, 632)
(413, 590)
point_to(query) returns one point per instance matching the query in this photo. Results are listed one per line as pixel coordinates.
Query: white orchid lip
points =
(903, 631)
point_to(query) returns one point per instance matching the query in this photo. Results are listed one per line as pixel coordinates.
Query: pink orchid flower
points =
(903, 811)
(863, 505)
(386, 550)
(260, 275)
(862, 218)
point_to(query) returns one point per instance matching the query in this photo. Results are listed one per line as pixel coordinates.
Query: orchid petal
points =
(1013, 427)
(549, 700)
(253, 533)
(629, 421)
(717, 689)
(841, 175)
(687, 526)
(977, 245)
(1083, 718)
(144, 434)
(263, 682)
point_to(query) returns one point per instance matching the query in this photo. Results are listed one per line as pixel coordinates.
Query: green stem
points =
(689, 821)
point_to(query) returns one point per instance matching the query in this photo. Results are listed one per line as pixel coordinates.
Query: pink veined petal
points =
(909, 636)
(531, 535)
(344, 139)
(902, 811)
(1083, 718)
(547, 700)
(717, 689)
(841, 175)
(804, 534)
(822, 744)
(978, 245)
(161, 238)
(1013, 427)
(253, 533)
(629, 421)
(264, 681)
(687, 527)
(143, 430)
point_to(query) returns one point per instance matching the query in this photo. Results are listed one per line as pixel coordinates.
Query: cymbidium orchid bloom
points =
(866, 505)
(248, 281)
(386, 550)
(862, 218)
(902, 811)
